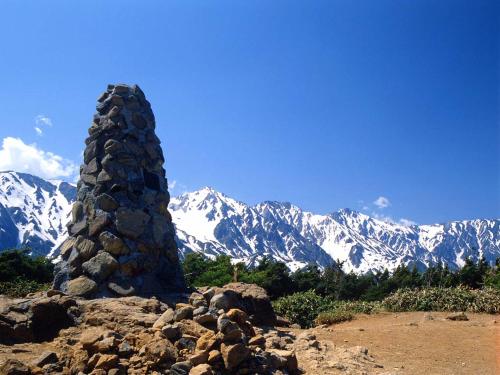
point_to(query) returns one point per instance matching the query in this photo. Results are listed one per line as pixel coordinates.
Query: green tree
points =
(272, 276)
(200, 270)
(17, 264)
(471, 274)
(306, 279)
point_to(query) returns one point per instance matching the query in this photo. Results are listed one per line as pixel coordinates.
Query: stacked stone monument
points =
(121, 237)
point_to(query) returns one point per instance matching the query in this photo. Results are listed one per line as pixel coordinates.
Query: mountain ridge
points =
(34, 211)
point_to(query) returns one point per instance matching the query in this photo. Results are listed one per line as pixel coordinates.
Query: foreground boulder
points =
(35, 319)
(121, 238)
(134, 335)
(248, 297)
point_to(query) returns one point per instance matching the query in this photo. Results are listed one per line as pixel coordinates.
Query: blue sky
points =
(391, 107)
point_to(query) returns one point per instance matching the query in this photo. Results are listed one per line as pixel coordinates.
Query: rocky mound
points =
(121, 238)
(212, 333)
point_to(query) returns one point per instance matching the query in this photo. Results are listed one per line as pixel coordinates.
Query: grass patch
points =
(486, 300)
(21, 287)
(333, 317)
(304, 308)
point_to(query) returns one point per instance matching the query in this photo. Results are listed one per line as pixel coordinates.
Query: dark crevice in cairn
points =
(121, 237)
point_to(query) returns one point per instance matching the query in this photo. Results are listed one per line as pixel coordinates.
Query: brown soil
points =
(403, 343)
(422, 343)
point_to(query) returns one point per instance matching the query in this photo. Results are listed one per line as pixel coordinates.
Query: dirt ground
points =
(397, 344)
(422, 343)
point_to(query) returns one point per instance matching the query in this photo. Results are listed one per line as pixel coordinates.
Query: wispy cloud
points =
(385, 218)
(407, 222)
(176, 187)
(382, 202)
(375, 211)
(21, 157)
(41, 122)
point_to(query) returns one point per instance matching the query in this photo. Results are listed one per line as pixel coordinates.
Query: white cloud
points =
(390, 219)
(20, 157)
(406, 222)
(176, 188)
(382, 202)
(42, 120)
(385, 218)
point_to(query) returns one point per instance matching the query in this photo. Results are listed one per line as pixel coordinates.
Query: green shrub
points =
(200, 270)
(333, 317)
(358, 307)
(485, 300)
(302, 307)
(17, 264)
(21, 287)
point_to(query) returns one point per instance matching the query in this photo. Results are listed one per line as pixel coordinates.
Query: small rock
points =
(100, 266)
(290, 358)
(158, 351)
(125, 349)
(197, 300)
(99, 222)
(89, 337)
(257, 340)
(86, 248)
(81, 286)
(113, 244)
(114, 111)
(206, 319)
(14, 367)
(200, 310)
(214, 356)
(238, 316)
(225, 300)
(106, 345)
(45, 358)
(53, 292)
(131, 223)
(180, 368)
(203, 369)
(171, 331)
(207, 342)
(233, 355)
(165, 318)
(458, 317)
(120, 290)
(184, 312)
(199, 358)
(208, 294)
(107, 361)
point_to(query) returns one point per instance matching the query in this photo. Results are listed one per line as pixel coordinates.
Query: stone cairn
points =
(121, 237)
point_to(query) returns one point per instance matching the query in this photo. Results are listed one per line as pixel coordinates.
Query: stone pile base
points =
(213, 332)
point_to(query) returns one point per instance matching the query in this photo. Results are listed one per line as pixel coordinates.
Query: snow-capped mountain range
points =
(33, 212)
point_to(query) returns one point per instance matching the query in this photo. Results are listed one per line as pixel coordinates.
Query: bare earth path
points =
(420, 343)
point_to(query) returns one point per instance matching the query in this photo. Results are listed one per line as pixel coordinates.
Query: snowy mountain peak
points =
(33, 212)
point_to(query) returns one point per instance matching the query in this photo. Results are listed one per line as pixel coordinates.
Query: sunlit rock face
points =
(121, 238)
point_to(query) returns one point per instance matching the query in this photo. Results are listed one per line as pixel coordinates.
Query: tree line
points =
(333, 281)
(21, 274)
